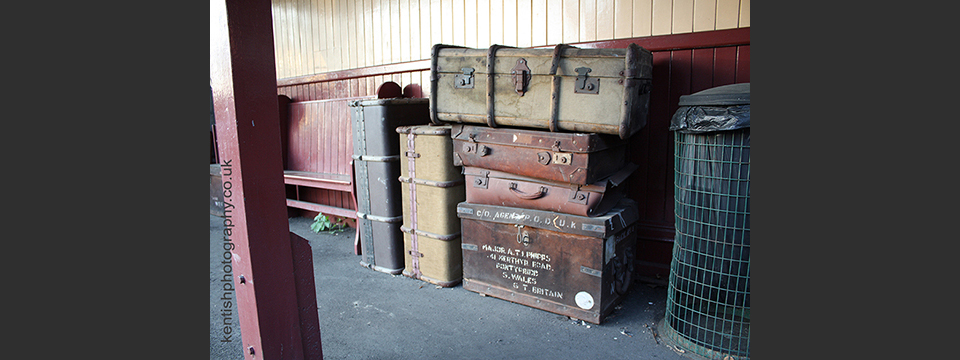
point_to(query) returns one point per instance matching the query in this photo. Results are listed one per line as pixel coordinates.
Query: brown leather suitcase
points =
(575, 158)
(604, 91)
(431, 189)
(499, 188)
(571, 265)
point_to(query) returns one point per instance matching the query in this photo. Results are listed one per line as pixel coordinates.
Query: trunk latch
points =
(584, 84)
(465, 80)
(482, 179)
(521, 76)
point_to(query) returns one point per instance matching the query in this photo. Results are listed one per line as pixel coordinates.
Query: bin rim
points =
(733, 94)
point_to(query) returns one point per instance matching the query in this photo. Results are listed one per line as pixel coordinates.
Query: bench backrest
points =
(320, 136)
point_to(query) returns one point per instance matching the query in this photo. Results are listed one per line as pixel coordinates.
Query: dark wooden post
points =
(243, 79)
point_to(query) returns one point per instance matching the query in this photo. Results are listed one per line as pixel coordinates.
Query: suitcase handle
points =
(520, 194)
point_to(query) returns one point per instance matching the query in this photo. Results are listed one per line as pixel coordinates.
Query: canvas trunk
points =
(566, 88)
(431, 187)
(571, 265)
(376, 154)
(499, 188)
(574, 158)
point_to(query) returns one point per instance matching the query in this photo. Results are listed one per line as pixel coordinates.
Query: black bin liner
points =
(716, 109)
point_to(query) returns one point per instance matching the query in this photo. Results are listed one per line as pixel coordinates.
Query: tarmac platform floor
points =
(366, 314)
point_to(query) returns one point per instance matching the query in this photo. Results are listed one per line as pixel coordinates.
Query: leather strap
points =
(555, 92)
(412, 162)
(491, 61)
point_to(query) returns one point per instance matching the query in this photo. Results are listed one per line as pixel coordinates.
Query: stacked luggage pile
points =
(510, 179)
(541, 137)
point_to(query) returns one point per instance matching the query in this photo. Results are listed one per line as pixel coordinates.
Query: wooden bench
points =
(318, 144)
(326, 181)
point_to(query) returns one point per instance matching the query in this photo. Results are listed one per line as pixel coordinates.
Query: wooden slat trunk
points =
(565, 264)
(603, 91)
(431, 188)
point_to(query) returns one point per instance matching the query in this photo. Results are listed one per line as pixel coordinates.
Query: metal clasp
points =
(584, 84)
(482, 179)
(521, 76)
(465, 80)
(562, 158)
(523, 237)
(578, 197)
(480, 149)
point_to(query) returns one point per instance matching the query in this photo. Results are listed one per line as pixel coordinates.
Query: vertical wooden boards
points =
(623, 19)
(605, 19)
(554, 21)
(538, 23)
(744, 14)
(728, 14)
(642, 18)
(524, 23)
(682, 16)
(662, 17)
(743, 64)
(483, 24)
(704, 15)
(317, 36)
(496, 22)
(571, 21)
(509, 24)
(588, 20)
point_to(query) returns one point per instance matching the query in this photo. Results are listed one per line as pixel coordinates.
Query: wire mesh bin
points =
(708, 300)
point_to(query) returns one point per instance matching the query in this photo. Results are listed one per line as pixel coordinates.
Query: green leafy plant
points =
(322, 223)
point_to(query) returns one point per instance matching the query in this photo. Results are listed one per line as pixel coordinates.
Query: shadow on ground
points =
(365, 314)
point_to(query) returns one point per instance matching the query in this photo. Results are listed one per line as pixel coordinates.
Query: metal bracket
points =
(482, 180)
(584, 84)
(465, 80)
(544, 158)
(589, 271)
(563, 158)
(479, 149)
(521, 76)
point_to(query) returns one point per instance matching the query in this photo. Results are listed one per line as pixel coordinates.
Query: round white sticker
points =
(584, 300)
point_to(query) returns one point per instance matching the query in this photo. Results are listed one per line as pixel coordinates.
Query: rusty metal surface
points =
(576, 275)
(575, 158)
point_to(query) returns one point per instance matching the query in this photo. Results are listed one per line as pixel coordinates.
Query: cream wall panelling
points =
(315, 36)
